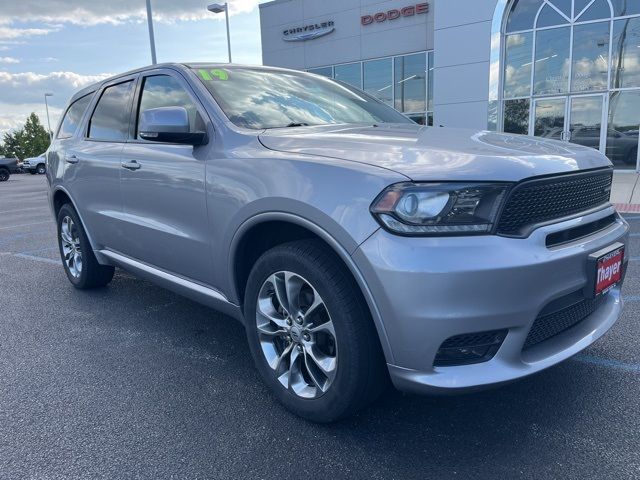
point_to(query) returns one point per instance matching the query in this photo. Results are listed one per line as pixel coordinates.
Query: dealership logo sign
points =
(395, 13)
(308, 32)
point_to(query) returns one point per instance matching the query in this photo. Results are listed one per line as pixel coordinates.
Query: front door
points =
(164, 190)
(585, 122)
(577, 119)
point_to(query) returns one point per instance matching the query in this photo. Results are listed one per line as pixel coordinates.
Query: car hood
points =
(434, 153)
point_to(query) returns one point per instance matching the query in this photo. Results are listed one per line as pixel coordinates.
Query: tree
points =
(29, 141)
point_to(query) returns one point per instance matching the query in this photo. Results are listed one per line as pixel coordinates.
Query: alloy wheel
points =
(71, 249)
(296, 334)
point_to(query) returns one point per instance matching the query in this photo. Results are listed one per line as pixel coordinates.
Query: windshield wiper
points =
(297, 124)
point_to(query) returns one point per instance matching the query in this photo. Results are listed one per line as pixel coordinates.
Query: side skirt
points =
(195, 291)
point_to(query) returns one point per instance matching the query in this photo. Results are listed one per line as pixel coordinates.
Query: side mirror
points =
(168, 125)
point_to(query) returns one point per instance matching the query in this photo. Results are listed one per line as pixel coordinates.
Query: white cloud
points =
(23, 93)
(9, 60)
(10, 33)
(82, 12)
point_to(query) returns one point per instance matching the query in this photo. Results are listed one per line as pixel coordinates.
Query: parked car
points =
(35, 165)
(354, 245)
(9, 166)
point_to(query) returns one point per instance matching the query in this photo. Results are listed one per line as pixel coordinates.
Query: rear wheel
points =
(4, 174)
(80, 264)
(310, 332)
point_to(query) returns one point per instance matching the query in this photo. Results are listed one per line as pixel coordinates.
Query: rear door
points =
(163, 186)
(93, 163)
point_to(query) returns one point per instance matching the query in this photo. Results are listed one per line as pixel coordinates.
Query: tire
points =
(631, 159)
(359, 372)
(41, 169)
(72, 238)
(4, 174)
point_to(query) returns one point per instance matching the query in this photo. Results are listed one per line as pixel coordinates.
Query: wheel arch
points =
(60, 197)
(250, 241)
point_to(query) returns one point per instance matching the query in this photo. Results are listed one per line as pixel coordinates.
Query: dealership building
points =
(563, 69)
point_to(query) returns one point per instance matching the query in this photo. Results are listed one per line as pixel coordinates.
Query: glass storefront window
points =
(590, 69)
(625, 7)
(517, 73)
(377, 79)
(549, 118)
(350, 73)
(626, 53)
(325, 71)
(410, 90)
(585, 59)
(516, 116)
(551, 74)
(404, 82)
(523, 13)
(622, 134)
(599, 9)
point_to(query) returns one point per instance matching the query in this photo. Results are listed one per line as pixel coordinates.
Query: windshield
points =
(260, 98)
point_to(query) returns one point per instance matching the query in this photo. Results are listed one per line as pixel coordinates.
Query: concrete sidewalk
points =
(626, 192)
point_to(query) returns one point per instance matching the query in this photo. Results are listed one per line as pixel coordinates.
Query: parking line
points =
(632, 298)
(607, 362)
(26, 224)
(38, 259)
(22, 209)
(46, 249)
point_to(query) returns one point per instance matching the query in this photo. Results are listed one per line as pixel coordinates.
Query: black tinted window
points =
(165, 91)
(110, 120)
(73, 116)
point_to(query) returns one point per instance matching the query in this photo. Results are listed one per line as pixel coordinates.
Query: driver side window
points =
(166, 91)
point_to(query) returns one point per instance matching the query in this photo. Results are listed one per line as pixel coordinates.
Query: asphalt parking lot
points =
(133, 381)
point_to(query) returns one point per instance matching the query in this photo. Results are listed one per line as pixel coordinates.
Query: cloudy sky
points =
(59, 46)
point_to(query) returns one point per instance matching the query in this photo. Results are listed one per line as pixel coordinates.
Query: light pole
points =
(219, 8)
(46, 106)
(152, 40)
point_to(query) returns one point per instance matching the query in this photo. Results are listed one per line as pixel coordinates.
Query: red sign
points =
(395, 13)
(609, 270)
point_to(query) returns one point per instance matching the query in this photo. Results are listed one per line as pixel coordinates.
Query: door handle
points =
(71, 159)
(132, 165)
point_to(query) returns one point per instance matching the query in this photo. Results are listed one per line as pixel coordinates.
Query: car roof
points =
(177, 66)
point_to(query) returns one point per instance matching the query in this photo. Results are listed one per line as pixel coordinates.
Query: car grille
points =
(552, 324)
(540, 201)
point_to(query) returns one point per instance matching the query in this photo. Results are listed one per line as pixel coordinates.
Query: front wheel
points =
(311, 334)
(80, 264)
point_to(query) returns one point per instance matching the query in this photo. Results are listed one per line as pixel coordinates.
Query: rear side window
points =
(73, 117)
(166, 91)
(110, 119)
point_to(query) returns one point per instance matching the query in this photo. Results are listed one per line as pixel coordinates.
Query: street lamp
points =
(152, 39)
(46, 105)
(219, 8)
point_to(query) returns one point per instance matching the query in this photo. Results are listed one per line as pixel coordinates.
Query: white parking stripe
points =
(26, 224)
(38, 259)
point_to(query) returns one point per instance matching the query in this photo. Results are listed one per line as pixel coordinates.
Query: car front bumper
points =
(432, 288)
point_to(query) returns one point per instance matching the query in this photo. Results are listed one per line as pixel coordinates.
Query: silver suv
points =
(354, 245)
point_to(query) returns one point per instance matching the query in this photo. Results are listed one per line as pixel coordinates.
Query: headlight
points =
(439, 208)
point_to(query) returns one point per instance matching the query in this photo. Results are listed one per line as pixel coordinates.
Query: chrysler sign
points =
(395, 13)
(308, 32)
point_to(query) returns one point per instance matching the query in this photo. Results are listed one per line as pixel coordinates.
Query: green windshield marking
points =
(204, 75)
(220, 74)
